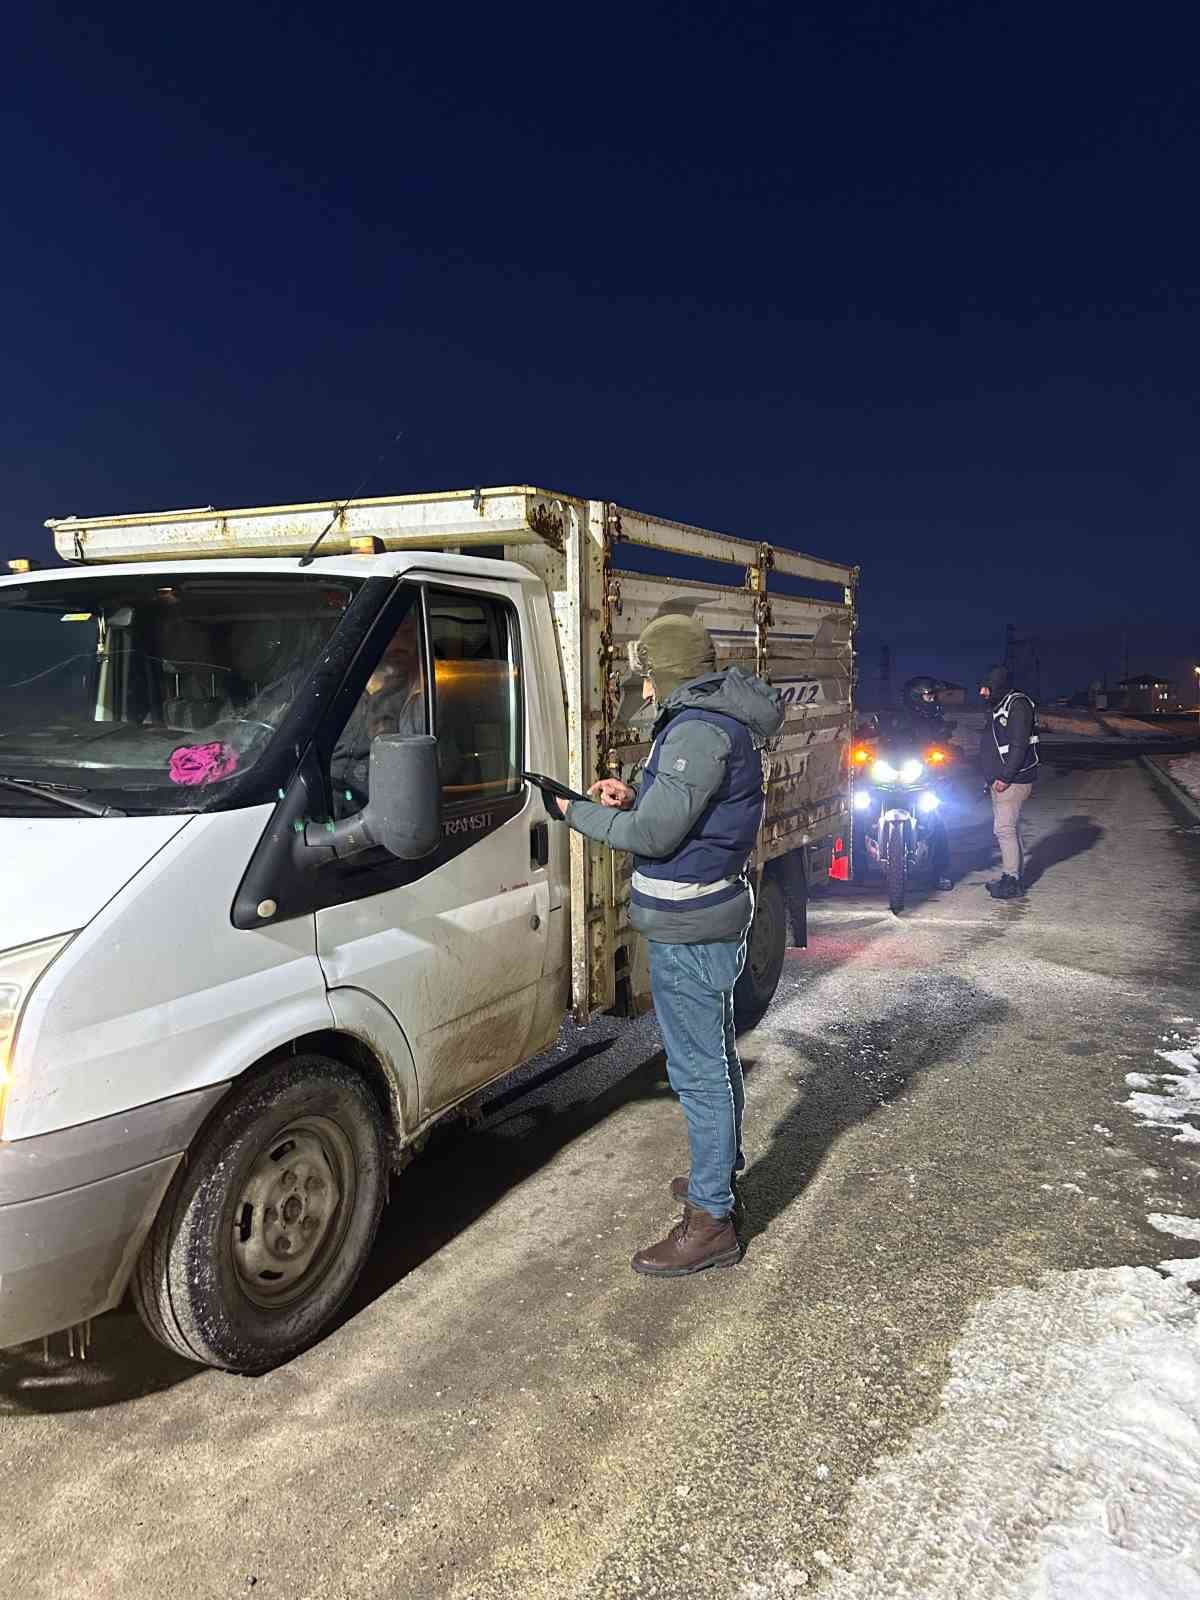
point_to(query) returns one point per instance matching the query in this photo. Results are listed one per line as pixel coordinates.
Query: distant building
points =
(1101, 698)
(1145, 693)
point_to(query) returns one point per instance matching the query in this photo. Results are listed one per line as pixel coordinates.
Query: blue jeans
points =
(692, 986)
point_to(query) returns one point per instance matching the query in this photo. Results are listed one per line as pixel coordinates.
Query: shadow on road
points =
(1072, 837)
(464, 1171)
(527, 1122)
(462, 1175)
(852, 1070)
(123, 1364)
(526, 1125)
(974, 849)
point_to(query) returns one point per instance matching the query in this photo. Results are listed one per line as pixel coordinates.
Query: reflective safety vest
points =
(1000, 734)
(707, 869)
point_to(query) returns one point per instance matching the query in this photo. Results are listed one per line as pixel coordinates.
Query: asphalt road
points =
(506, 1410)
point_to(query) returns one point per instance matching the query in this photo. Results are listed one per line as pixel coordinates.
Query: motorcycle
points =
(897, 798)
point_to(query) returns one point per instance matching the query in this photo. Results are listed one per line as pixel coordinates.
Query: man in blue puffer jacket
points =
(692, 825)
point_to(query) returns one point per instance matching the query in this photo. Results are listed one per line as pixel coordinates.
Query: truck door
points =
(453, 945)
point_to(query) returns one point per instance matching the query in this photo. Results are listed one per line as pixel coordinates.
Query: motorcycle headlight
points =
(929, 801)
(911, 770)
(20, 969)
(884, 772)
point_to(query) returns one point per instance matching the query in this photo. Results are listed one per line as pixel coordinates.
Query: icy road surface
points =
(959, 1359)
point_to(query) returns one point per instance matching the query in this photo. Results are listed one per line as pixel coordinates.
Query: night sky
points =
(911, 285)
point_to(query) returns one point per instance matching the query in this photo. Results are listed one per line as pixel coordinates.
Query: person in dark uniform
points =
(1008, 756)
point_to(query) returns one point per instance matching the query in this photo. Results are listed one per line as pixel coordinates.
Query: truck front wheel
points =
(268, 1223)
(756, 987)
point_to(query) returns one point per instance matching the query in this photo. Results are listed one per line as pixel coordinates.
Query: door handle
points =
(539, 844)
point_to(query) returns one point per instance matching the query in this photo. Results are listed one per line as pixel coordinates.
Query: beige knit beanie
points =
(673, 650)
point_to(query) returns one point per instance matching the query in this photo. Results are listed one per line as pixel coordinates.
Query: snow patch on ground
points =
(1067, 723)
(1065, 1464)
(1186, 771)
(1171, 1099)
(1132, 727)
(1177, 1227)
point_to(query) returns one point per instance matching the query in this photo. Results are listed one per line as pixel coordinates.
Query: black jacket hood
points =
(997, 680)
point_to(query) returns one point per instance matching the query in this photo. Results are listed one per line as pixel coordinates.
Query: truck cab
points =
(230, 1003)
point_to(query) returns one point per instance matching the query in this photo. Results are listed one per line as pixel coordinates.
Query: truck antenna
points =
(306, 560)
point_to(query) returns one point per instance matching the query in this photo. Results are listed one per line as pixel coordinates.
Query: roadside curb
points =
(1172, 785)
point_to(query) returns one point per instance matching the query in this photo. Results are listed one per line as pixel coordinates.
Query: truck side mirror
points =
(404, 813)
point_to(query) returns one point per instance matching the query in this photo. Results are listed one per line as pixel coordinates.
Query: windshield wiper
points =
(72, 800)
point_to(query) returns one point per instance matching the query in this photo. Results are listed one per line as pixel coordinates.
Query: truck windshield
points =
(160, 686)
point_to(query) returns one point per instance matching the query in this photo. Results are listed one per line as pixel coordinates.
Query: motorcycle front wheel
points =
(897, 865)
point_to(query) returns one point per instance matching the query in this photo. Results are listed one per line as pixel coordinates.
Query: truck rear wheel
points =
(756, 987)
(268, 1223)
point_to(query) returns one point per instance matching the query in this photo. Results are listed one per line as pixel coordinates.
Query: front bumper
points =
(76, 1206)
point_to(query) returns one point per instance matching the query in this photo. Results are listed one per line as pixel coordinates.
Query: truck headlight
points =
(911, 771)
(862, 799)
(883, 772)
(20, 969)
(928, 801)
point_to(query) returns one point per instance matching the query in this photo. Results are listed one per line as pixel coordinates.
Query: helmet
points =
(920, 694)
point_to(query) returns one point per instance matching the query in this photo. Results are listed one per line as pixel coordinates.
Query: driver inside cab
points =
(392, 703)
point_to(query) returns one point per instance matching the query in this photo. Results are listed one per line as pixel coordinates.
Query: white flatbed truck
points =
(246, 963)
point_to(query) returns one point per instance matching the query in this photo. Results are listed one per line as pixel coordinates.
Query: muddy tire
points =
(268, 1223)
(756, 987)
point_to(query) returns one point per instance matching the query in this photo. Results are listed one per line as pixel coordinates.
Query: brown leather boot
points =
(697, 1240)
(679, 1189)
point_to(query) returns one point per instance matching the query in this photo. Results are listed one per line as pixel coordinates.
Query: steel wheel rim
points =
(291, 1215)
